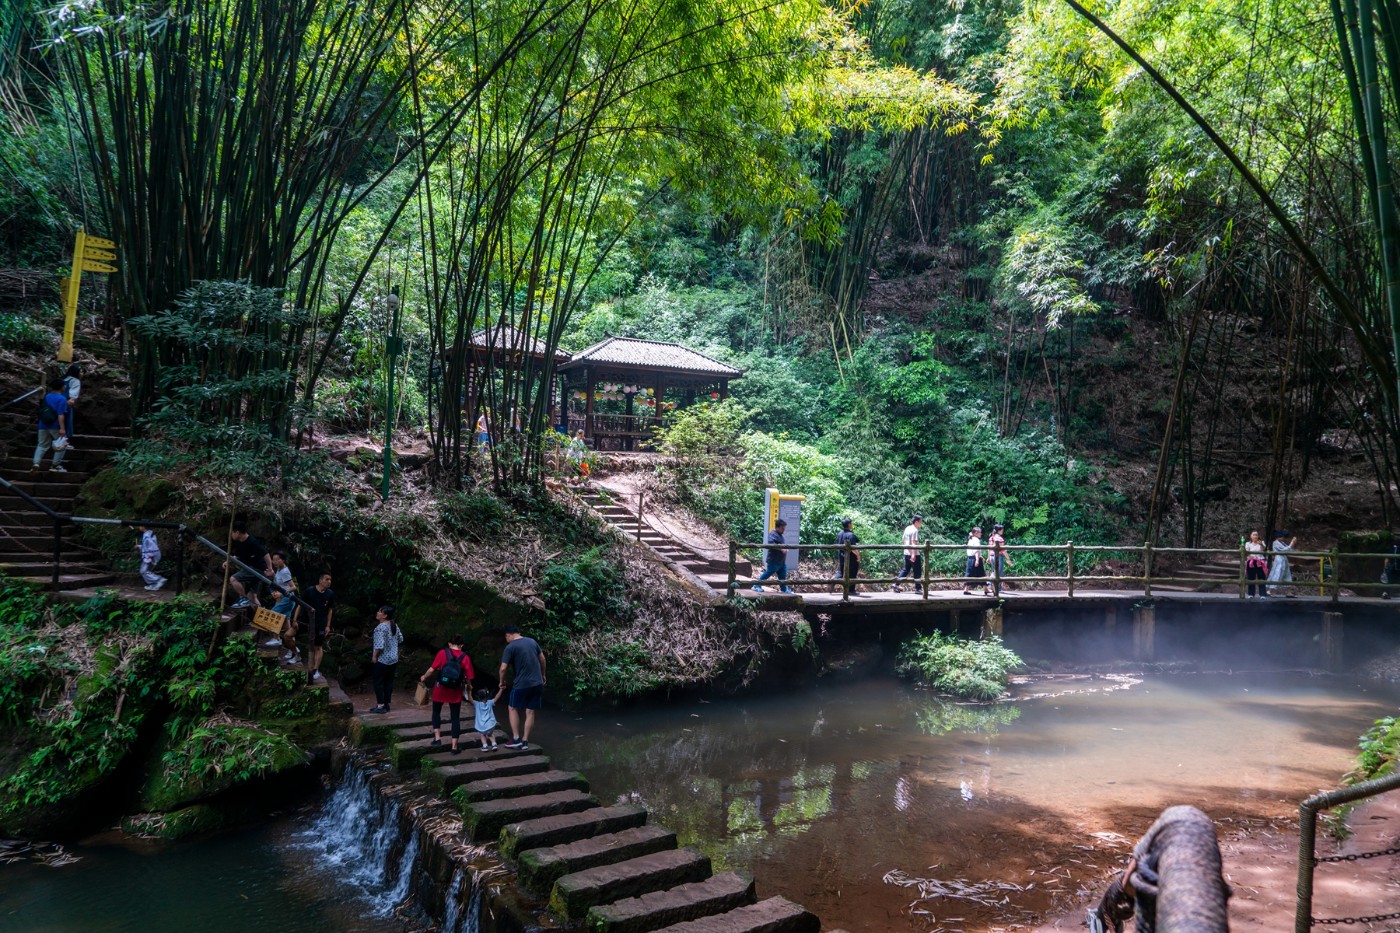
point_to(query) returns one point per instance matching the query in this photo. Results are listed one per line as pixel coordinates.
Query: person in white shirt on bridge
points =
(913, 555)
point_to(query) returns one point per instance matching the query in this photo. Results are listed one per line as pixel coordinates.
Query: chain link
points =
(1349, 921)
(1358, 857)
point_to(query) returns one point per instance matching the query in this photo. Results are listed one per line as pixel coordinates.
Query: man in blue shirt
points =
(774, 557)
(53, 427)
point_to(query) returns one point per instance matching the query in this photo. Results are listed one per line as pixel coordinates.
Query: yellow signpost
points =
(90, 254)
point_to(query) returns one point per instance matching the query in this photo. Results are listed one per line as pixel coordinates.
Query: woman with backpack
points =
(387, 638)
(450, 676)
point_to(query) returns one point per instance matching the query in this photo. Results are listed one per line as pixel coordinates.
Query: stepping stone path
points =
(586, 864)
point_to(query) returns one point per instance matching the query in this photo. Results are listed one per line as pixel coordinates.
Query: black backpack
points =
(47, 415)
(453, 675)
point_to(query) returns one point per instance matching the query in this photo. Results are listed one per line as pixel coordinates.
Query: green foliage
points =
(581, 593)
(210, 416)
(20, 332)
(215, 755)
(476, 515)
(79, 683)
(976, 670)
(1379, 750)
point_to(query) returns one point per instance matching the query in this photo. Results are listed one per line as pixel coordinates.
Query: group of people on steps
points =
(54, 419)
(450, 678)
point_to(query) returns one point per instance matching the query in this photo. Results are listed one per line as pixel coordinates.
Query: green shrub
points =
(976, 670)
(1379, 750)
(581, 592)
(20, 332)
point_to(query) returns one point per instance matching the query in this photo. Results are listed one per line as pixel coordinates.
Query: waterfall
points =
(362, 838)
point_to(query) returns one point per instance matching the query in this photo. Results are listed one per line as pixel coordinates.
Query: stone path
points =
(577, 860)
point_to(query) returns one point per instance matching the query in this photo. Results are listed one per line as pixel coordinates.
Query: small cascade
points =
(461, 917)
(363, 838)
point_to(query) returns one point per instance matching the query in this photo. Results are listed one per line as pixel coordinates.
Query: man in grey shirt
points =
(524, 657)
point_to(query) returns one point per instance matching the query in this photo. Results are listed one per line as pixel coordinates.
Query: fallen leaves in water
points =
(45, 853)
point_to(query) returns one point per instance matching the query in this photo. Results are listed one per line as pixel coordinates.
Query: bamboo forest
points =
(703, 466)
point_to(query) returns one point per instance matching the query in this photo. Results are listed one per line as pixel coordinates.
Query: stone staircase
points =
(709, 569)
(26, 533)
(575, 858)
(1216, 574)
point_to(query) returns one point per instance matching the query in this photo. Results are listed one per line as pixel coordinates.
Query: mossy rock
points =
(236, 754)
(182, 824)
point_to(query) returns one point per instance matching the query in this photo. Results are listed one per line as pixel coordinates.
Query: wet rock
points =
(550, 831)
(540, 868)
(483, 821)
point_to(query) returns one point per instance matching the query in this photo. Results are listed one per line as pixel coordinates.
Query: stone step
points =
(520, 785)
(69, 581)
(409, 756)
(447, 778)
(483, 821)
(58, 502)
(574, 894)
(540, 868)
(571, 827)
(17, 469)
(715, 895)
(774, 915)
(42, 568)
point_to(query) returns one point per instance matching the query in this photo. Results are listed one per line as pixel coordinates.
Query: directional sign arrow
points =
(99, 242)
(89, 266)
(98, 254)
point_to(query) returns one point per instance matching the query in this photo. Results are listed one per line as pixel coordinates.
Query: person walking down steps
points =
(149, 548)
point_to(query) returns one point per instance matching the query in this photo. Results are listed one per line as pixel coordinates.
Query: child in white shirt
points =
(485, 704)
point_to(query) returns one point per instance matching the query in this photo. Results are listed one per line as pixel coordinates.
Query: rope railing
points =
(1072, 557)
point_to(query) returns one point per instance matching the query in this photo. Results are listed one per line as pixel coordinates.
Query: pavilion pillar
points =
(660, 396)
(564, 403)
(588, 404)
(723, 389)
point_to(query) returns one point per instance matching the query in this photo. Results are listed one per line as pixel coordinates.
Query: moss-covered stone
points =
(214, 759)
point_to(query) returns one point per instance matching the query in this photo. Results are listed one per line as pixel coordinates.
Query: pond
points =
(862, 802)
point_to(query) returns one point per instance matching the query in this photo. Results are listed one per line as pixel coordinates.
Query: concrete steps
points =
(712, 570)
(775, 915)
(541, 868)
(483, 821)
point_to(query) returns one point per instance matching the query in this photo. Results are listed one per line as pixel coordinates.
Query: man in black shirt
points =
(774, 557)
(847, 536)
(250, 551)
(322, 601)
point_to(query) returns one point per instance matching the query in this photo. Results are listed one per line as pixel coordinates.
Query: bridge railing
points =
(1079, 565)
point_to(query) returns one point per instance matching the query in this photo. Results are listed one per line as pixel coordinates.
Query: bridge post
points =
(733, 566)
(1069, 566)
(1332, 641)
(1144, 633)
(1147, 569)
(955, 621)
(928, 549)
(991, 622)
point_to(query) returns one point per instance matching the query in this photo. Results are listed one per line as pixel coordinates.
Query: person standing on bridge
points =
(847, 537)
(913, 554)
(975, 567)
(1254, 564)
(774, 558)
(998, 556)
(1281, 571)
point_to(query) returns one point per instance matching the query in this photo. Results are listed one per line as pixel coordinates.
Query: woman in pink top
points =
(451, 675)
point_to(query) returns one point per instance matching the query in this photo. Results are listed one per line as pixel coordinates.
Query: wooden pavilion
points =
(633, 374)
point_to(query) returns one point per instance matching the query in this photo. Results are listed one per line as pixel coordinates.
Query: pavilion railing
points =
(1082, 564)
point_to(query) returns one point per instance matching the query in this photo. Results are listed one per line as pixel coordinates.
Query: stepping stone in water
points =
(719, 894)
(520, 785)
(775, 915)
(540, 868)
(484, 820)
(444, 778)
(556, 830)
(573, 894)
